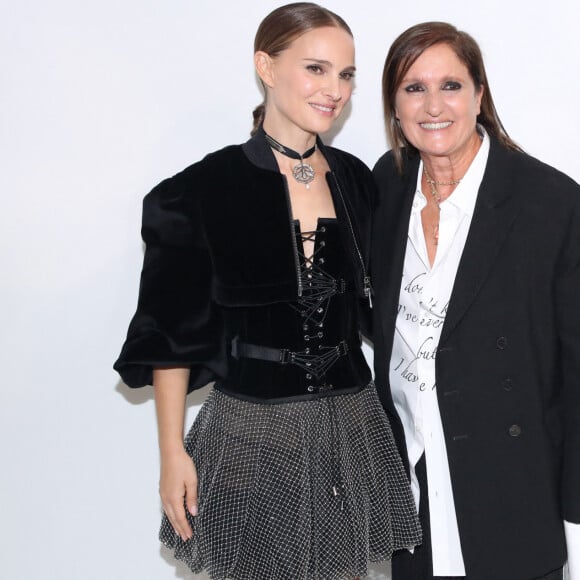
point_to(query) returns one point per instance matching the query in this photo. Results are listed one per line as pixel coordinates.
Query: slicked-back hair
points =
(283, 26)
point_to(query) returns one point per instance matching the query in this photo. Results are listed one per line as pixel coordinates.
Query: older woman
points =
(483, 333)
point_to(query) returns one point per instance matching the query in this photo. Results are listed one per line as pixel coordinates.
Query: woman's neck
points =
(290, 136)
(451, 168)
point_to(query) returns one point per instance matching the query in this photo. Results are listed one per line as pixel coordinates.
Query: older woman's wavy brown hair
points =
(406, 49)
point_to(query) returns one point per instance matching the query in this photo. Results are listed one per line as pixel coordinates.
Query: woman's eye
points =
(414, 88)
(451, 86)
(315, 68)
(347, 76)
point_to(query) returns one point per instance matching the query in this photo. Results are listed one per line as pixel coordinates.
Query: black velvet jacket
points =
(220, 235)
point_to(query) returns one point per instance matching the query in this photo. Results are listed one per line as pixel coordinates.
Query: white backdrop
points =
(98, 102)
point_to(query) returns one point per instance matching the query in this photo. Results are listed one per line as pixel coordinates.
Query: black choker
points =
(302, 172)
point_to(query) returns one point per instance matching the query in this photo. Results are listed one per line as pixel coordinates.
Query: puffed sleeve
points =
(176, 323)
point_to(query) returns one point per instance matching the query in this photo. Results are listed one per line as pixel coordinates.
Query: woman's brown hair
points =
(406, 49)
(283, 26)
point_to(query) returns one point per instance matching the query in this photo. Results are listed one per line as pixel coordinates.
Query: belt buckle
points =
(342, 348)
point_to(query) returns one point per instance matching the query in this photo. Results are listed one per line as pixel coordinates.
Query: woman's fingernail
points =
(193, 510)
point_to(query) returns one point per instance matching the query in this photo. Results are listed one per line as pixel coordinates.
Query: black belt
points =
(284, 355)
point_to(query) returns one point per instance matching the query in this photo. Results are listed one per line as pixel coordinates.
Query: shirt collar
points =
(465, 194)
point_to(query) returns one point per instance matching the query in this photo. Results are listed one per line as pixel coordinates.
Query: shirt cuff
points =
(572, 532)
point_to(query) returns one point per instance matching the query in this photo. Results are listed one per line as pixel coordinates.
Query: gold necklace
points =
(437, 198)
(434, 185)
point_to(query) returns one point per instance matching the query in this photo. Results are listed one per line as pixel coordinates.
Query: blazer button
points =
(507, 384)
(515, 431)
(501, 342)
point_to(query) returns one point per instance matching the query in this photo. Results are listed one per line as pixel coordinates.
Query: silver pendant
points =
(303, 173)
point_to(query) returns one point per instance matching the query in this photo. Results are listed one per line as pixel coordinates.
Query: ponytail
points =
(258, 114)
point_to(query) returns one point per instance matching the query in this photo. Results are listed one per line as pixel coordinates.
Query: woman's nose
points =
(434, 104)
(332, 89)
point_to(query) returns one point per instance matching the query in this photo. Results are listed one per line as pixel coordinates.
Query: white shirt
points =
(423, 300)
(572, 531)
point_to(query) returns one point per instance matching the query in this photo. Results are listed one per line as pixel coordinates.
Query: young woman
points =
(254, 274)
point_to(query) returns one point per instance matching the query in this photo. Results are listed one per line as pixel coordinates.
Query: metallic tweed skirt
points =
(309, 490)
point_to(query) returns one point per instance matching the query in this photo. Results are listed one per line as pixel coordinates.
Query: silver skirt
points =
(309, 490)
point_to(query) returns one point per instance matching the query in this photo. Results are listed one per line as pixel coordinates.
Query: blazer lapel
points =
(391, 231)
(495, 212)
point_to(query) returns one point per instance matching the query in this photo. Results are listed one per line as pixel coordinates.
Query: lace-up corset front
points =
(307, 348)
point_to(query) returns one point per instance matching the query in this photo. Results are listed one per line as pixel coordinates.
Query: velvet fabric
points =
(281, 323)
(220, 235)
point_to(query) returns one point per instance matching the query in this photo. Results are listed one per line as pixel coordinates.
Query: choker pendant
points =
(302, 172)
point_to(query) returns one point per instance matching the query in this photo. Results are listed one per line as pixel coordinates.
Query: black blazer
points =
(508, 362)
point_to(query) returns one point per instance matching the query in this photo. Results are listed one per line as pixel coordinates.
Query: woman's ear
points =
(478, 98)
(264, 67)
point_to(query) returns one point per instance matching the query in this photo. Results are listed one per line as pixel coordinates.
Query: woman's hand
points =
(178, 482)
(178, 490)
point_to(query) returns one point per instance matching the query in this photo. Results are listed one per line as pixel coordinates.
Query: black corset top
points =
(304, 349)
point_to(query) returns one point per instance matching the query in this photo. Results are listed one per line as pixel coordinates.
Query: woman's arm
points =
(178, 482)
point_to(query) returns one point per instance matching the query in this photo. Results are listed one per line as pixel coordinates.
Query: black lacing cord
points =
(318, 286)
(319, 362)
